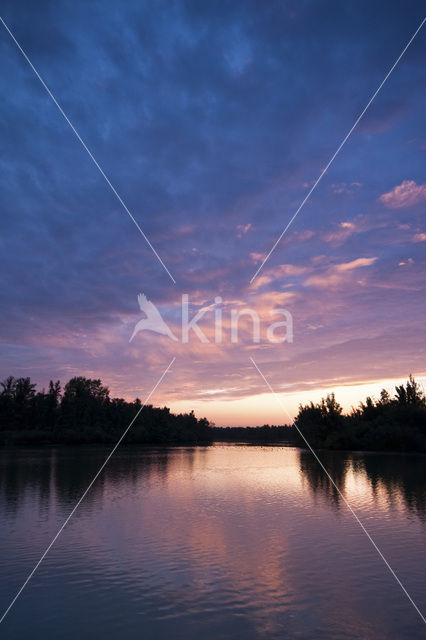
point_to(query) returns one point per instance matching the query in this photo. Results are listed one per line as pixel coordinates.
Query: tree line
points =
(394, 423)
(84, 412)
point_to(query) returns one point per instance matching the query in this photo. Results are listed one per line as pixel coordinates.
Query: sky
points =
(212, 121)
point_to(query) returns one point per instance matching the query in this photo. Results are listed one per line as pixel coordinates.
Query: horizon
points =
(226, 409)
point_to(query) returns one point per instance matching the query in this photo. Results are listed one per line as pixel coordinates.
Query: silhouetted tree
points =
(395, 424)
(320, 421)
(86, 413)
(410, 394)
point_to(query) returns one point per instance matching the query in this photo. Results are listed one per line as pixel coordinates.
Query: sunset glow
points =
(212, 162)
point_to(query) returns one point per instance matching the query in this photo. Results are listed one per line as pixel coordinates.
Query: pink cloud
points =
(303, 235)
(406, 194)
(279, 273)
(354, 264)
(419, 237)
(257, 257)
(336, 274)
(243, 229)
(185, 229)
(343, 232)
(345, 187)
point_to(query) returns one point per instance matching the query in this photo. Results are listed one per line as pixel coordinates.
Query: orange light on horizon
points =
(264, 408)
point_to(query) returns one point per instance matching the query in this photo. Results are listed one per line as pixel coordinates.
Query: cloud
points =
(355, 264)
(200, 114)
(336, 274)
(344, 230)
(407, 194)
(278, 274)
(243, 229)
(302, 236)
(345, 187)
(419, 237)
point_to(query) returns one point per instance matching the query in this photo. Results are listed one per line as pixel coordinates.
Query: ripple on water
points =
(222, 542)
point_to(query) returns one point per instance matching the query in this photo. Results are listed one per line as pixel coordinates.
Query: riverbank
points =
(84, 413)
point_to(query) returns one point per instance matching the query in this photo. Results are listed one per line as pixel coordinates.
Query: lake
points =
(227, 541)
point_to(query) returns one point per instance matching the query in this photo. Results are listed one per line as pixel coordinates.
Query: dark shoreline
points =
(83, 413)
(5, 446)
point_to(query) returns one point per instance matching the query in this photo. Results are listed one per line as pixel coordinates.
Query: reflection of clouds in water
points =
(219, 541)
(62, 474)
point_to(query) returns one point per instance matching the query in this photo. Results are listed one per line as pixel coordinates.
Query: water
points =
(241, 542)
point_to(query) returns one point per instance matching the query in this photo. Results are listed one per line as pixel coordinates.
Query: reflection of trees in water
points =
(22, 472)
(336, 463)
(401, 475)
(64, 473)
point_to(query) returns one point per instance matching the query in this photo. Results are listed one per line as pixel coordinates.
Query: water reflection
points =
(221, 541)
(65, 473)
(337, 465)
(402, 477)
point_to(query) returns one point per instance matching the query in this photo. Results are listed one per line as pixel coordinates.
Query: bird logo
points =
(153, 320)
